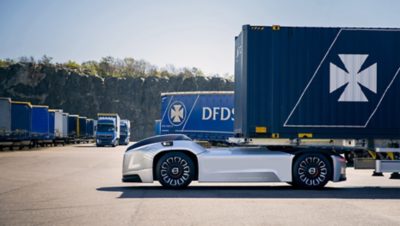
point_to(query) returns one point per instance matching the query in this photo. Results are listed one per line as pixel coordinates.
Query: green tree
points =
(90, 67)
(5, 63)
(72, 65)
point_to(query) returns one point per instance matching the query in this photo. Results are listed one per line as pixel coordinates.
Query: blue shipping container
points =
(21, 117)
(40, 122)
(339, 83)
(200, 115)
(51, 124)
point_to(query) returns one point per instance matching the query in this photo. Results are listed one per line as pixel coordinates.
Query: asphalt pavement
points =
(81, 185)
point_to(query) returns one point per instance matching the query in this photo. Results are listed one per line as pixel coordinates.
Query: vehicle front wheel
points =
(175, 170)
(311, 171)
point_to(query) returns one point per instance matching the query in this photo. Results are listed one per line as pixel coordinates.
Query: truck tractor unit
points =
(125, 133)
(108, 129)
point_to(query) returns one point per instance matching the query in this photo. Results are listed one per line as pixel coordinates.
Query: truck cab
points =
(125, 133)
(108, 132)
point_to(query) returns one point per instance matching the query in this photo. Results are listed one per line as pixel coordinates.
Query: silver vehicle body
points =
(234, 164)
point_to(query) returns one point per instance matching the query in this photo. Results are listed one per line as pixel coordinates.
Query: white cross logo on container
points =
(353, 78)
(177, 113)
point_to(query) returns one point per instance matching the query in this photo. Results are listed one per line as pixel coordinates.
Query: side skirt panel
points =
(245, 165)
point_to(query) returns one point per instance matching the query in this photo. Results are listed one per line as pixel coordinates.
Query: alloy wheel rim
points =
(175, 171)
(312, 171)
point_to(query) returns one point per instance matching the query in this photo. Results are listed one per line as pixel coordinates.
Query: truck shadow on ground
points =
(265, 192)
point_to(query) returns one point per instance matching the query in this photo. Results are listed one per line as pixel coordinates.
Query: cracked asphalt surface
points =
(81, 185)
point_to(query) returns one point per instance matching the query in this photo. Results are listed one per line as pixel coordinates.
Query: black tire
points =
(175, 170)
(311, 171)
(349, 156)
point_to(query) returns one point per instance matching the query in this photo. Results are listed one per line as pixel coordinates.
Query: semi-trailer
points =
(60, 134)
(107, 132)
(82, 129)
(52, 124)
(21, 123)
(201, 115)
(5, 122)
(58, 122)
(40, 125)
(302, 94)
(337, 84)
(90, 132)
(64, 130)
(5, 119)
(125, 132)
(73, 128)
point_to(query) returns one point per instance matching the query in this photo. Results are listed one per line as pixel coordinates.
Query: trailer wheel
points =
(175, 170)
(311, 171)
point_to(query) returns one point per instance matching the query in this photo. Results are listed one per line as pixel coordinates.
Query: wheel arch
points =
(189, 153)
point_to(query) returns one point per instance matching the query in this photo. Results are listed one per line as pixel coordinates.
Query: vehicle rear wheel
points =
(175, 170)
(311, 171)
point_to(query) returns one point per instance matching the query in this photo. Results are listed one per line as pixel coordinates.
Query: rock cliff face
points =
(136, 99)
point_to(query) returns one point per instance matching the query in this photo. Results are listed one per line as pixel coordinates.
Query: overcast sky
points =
(184, 33)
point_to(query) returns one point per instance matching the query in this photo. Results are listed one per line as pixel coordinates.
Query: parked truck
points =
(201, 115)
(125, 132)
(108, 132)
(304, 96)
